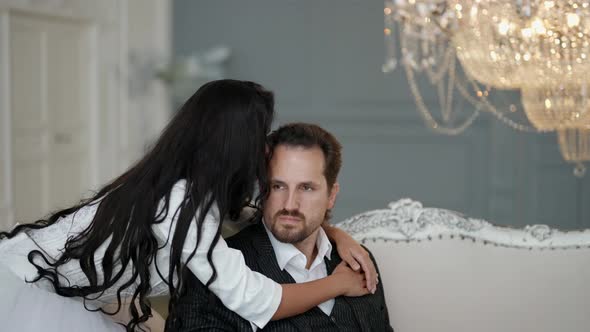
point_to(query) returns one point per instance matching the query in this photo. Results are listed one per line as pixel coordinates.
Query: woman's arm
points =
(353, 253)
(200, 312)
(299, 298)
(256, 297)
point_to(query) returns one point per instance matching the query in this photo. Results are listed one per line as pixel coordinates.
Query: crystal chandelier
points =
(475, 52)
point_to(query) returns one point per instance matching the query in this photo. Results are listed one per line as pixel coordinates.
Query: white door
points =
(65, 123)
(50, 110)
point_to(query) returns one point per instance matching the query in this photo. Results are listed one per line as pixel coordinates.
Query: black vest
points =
(341, 319)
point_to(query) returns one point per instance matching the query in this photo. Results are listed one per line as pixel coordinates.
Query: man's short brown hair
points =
(309, 135)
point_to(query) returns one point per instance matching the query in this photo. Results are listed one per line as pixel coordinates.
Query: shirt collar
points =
(285, 252)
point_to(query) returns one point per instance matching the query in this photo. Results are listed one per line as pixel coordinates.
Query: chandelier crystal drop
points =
(574, 145)
(557, 106)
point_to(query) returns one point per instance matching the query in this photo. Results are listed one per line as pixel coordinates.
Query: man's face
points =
(299, 195)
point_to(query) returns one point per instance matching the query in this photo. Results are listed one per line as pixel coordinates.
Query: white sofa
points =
(444, 272)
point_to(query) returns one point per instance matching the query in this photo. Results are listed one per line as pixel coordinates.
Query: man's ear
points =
(333, 194)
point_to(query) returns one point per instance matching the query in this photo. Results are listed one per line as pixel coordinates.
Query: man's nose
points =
(292, 202)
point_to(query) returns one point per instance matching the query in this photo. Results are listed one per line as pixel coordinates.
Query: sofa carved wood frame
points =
(407, 220)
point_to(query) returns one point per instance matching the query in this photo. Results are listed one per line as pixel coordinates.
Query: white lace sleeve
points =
(250, 294)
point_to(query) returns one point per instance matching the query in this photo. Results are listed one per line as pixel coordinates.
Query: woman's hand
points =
(354, 254)
(299, 298)
(353, 282)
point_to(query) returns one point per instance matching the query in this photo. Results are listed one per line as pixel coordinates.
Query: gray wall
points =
(323, 60)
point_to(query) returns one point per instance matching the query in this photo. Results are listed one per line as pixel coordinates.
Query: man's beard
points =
(288, 234)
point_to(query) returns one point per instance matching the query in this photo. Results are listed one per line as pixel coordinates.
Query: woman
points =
(138, 235)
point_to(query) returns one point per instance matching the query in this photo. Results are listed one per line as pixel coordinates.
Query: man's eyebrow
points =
(308, 183)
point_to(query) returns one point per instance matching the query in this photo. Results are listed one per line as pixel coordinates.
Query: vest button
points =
(333, 319)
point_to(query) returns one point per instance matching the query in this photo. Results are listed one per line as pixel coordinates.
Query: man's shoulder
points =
(335, 255)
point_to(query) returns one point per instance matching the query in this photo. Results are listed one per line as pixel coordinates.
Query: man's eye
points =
(276, 186)
(307, 187)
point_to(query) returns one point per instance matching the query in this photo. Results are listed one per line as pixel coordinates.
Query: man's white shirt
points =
(293, 261)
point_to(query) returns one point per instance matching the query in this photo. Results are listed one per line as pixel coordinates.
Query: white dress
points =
(251, 295)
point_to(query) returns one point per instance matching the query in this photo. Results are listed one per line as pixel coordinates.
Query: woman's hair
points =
(216, 142)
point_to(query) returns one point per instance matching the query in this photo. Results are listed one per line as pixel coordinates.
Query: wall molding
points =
(361, 112)
(374, 136)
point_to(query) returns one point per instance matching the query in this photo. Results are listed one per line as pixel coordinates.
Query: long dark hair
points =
(216, 142)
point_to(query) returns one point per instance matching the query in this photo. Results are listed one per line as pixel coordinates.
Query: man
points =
(289, 245)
